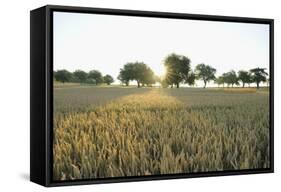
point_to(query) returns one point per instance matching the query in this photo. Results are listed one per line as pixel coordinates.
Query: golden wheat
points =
(154, 132)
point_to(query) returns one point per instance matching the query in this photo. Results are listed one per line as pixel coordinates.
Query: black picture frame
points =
(41, 89)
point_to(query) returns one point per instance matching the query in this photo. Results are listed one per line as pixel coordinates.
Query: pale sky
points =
(105, 43)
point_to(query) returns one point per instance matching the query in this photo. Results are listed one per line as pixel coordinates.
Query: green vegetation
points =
(206, 73)
(178, 71)
(245, 77)
(95, 77)
(108, 79)
(138, 71)
(62, 76)
(118, 131)
(259, 75)
(230, 78)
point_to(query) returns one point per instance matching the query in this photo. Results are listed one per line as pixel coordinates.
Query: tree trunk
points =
(205, 84)
(138, 84)
(178, 85)
(258, 85)
(243, 84)
(172, 85)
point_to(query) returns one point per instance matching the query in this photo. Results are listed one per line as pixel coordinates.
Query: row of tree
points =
(256, 75)
(79, 76)
(178, 71)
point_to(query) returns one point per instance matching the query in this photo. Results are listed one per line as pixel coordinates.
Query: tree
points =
(123, 77)
(259, 75)
(244, 76)
(62, 75)
(230, 78)
(80, 76)
(96, 76)
(108, 79)
(137, 71)
(206, 73)
(126, 74)
(148, 77)
(220, 81)
(191, 79)
(178, 69)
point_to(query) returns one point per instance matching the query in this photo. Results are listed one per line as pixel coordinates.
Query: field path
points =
(73, 99)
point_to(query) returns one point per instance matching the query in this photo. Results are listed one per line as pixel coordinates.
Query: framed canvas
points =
(125, 95)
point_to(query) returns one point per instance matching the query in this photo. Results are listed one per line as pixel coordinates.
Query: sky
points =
(107, 42)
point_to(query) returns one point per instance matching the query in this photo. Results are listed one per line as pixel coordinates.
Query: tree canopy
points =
(108, 79)
(245, 77)
(62, 75)
(220, 81)
(178, 70)
(80, 76)
(138, 71)
(230, 78)
(258, 75)
(205, 72)
(95, 76)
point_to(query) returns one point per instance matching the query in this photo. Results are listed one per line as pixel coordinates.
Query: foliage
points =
(206, 73)
(191, 79)
(62, 75)
(137, 71)
(148, 77)
(245, 77)
(124, 76)
(178, 69)
(96, 76)
(220, 80)
(108, 79)
(230, 78)
(80, 76)
(259, 75)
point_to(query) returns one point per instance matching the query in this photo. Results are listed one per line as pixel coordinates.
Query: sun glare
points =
(160, 71)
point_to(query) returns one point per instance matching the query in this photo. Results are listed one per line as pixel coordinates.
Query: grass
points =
(116, 132)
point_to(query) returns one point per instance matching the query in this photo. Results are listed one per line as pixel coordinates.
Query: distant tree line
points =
(92, 77)
(178, 71)
(256, 75)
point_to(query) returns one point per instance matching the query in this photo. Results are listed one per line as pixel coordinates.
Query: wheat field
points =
(116, 132)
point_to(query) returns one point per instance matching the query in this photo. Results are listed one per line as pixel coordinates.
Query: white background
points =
(14, 94)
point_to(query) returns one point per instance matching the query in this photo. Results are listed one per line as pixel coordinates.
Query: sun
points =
(160, 71)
